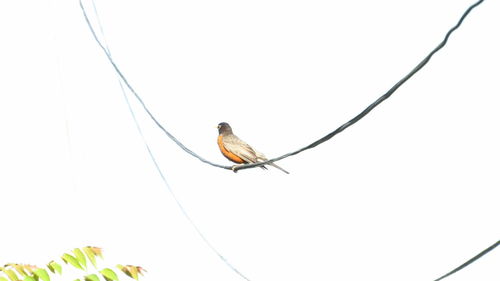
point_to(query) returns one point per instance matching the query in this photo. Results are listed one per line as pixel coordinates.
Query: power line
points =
(150, 152)
(375, 103)
(312, 145)
(120, 74)
(475, 258)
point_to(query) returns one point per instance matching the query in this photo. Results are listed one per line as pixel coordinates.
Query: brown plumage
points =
(237, 150)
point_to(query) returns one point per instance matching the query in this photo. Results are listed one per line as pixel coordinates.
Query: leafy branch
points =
(79, 259)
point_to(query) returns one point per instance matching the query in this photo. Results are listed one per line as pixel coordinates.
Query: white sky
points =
(408, 193)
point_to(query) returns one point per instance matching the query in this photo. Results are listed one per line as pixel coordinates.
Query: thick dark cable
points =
(375, 103)
(153, 158)
(475, 258)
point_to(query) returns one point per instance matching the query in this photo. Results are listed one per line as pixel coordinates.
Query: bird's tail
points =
(261, 157)
(279, 168)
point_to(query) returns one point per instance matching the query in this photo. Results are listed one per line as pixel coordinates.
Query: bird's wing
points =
(240, 148)
(260, 156)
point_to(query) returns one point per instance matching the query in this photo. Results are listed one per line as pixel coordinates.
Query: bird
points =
(238, 151)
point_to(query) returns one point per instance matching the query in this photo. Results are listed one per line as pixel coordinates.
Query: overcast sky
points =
(408, 193)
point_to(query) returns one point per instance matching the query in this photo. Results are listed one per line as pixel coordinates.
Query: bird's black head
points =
(224, 128)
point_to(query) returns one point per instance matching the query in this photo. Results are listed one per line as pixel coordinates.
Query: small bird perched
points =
(237, 150)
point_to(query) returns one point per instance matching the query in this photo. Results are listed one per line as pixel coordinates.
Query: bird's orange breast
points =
(228, 154)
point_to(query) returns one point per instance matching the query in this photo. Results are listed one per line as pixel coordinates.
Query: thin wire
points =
(475, 258)
(151, 155)
(183, 210)
(314, 144)
(118, 71)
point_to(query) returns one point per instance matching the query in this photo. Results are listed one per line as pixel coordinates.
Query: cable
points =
(375, 103)
(475, 258)
(108, 55)
(314, 144)
(151, 155)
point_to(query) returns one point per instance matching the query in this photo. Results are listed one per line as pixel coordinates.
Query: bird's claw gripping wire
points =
(235, 168)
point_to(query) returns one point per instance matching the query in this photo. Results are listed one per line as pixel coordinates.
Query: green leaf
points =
(67, 258)
(51, 268)
(109, 274)
(92, 277)
(80, 257)
(3, 279)
(90, 255)
(11, 274)
(28, 278)
(42, 274)
(123, 269)
(54, 267)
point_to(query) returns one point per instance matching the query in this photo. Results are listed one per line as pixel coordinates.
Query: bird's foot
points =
(235, 167)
